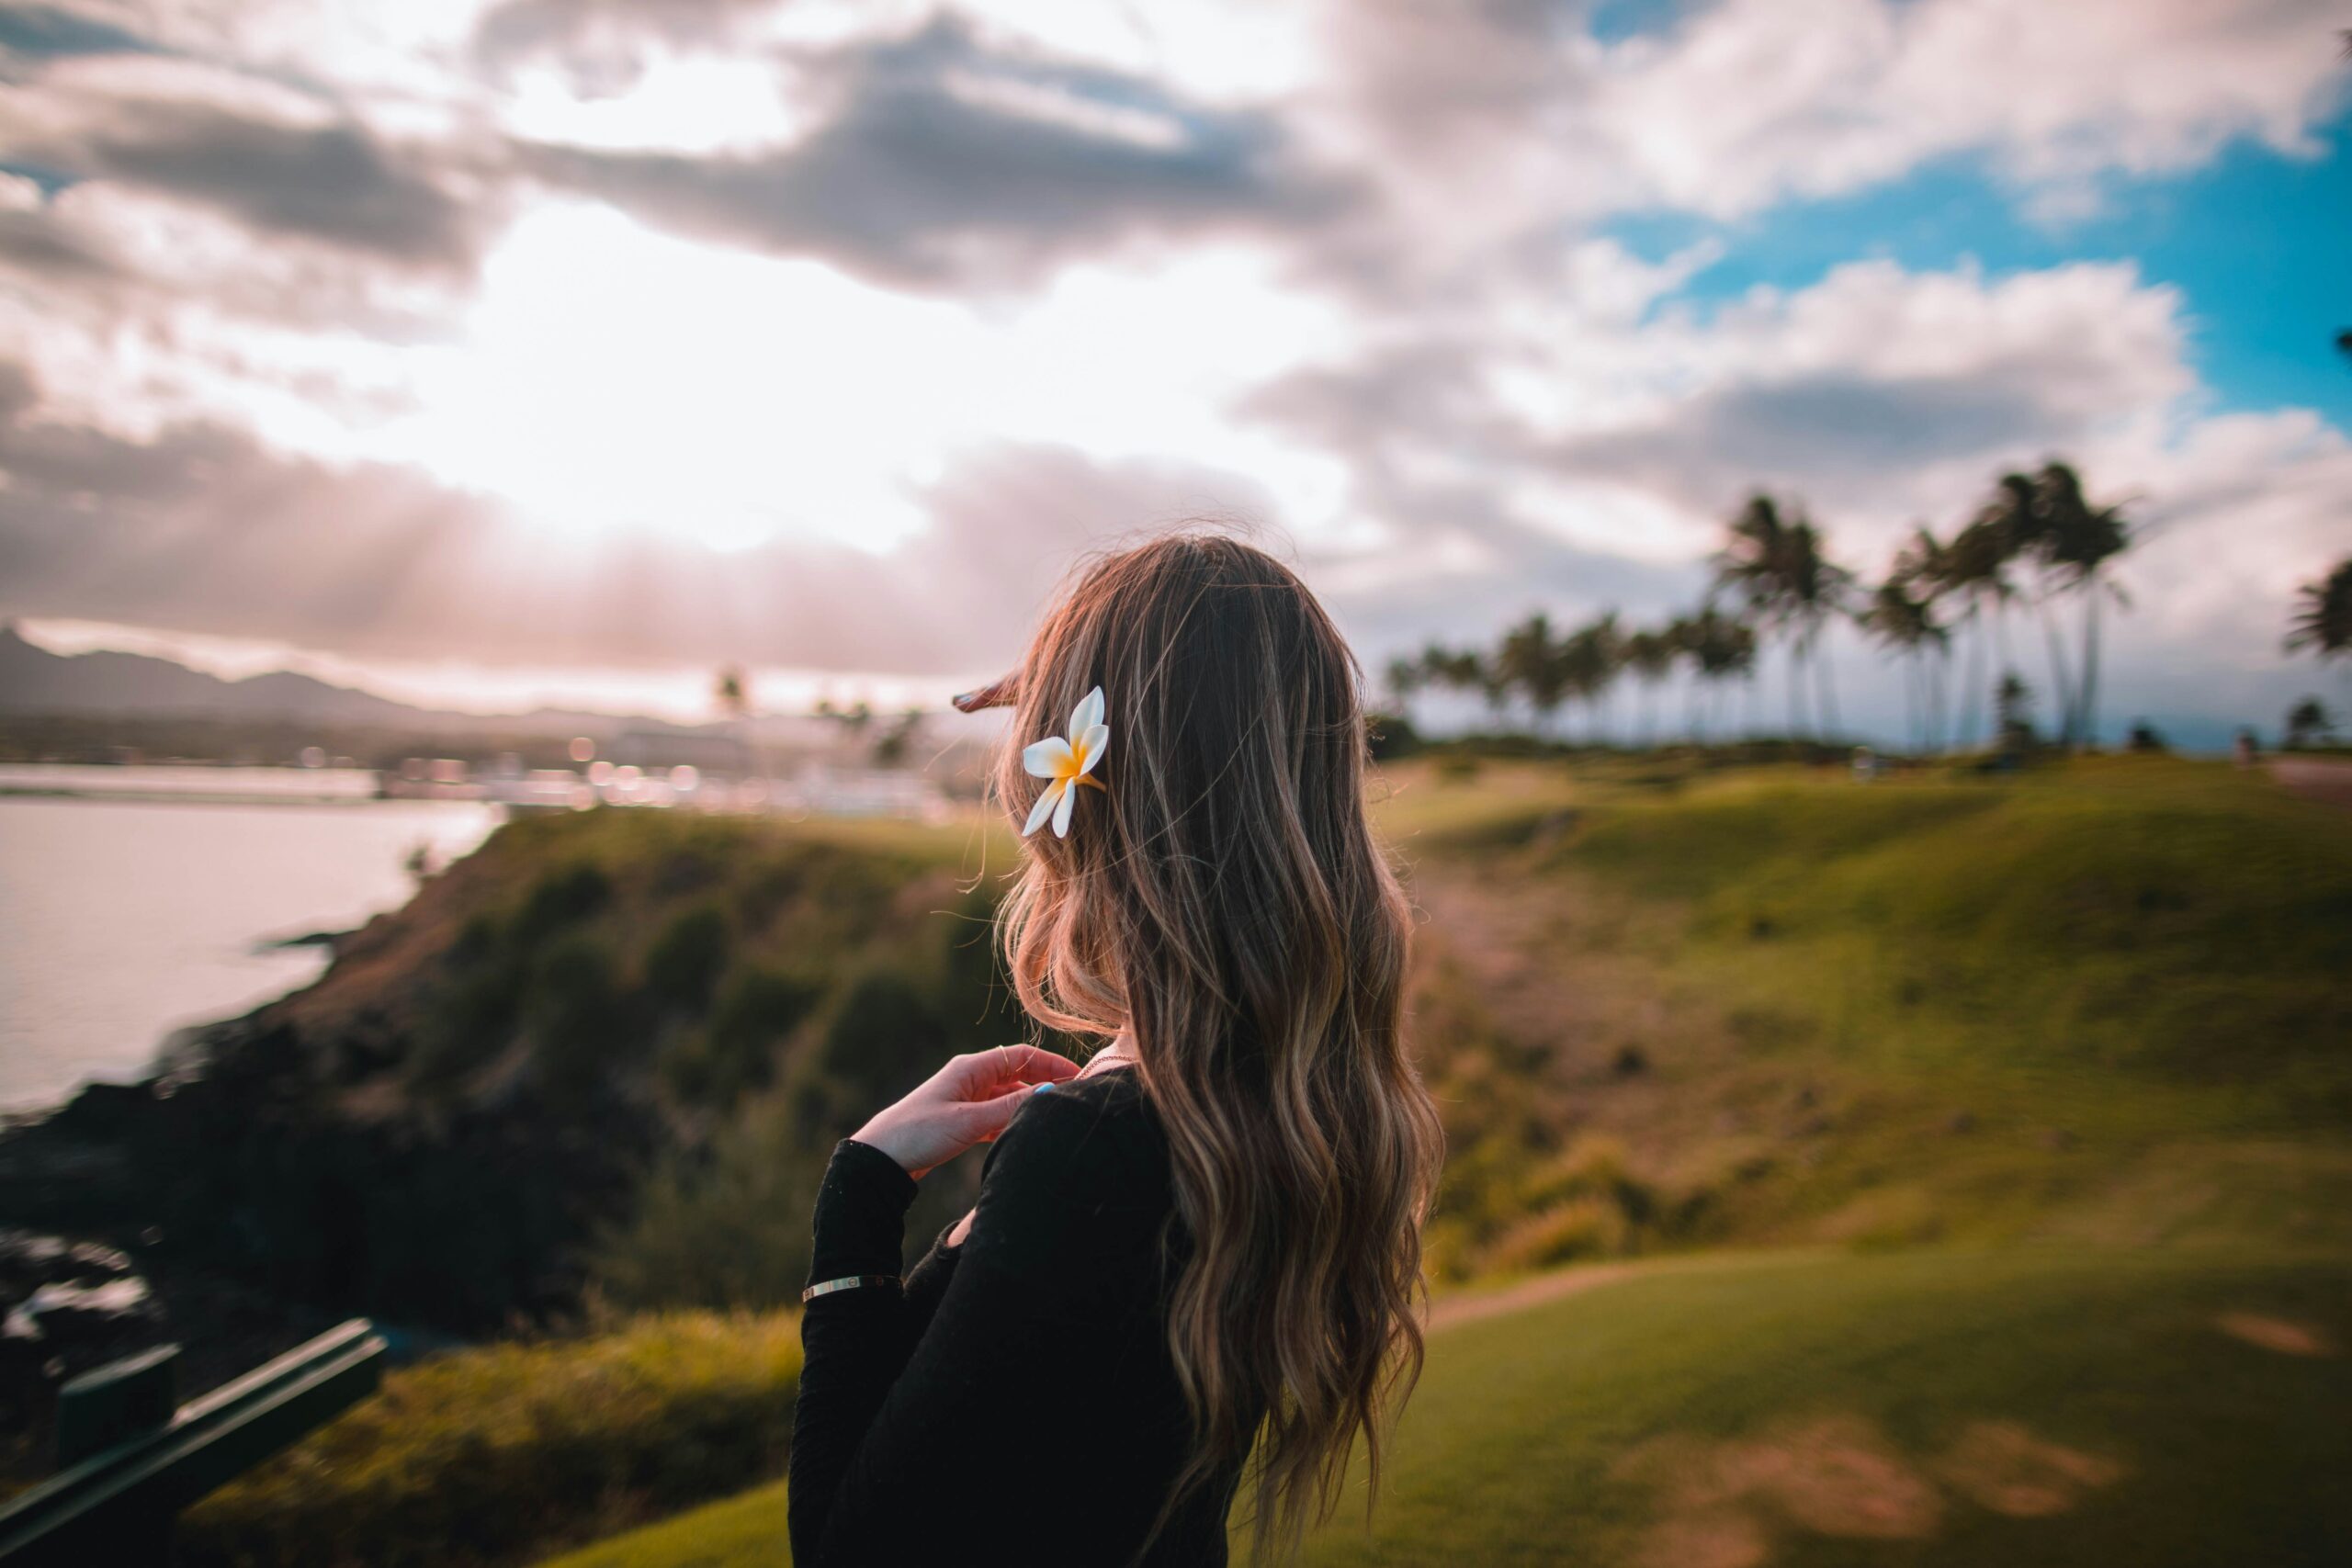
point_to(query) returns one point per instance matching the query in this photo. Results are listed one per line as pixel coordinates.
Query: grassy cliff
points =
(2031, 1090)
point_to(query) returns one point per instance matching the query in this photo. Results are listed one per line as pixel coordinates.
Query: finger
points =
(995, 695)
(980, 1074)
(1036, 1065)
(984, 1119)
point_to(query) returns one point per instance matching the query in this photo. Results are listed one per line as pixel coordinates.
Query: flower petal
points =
(1045, 807)
(1088, 713)
(1061, 812)
(1044, 760)
(1093, 740)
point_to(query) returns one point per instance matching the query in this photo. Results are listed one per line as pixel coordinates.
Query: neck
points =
(1121, 1052)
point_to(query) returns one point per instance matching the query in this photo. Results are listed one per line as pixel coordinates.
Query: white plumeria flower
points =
(1069, 763)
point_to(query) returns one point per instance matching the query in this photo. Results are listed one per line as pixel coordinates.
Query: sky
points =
(483, 353)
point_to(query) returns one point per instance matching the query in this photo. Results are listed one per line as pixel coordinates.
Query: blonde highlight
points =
(1223, 901)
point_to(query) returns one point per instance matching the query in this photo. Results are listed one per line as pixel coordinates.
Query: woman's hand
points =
(967, 1101)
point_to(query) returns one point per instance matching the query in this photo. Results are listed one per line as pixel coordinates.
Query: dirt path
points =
(1453, 1310)
(2324, 778)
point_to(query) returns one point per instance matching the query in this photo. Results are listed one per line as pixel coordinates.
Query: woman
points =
(1210, 1236)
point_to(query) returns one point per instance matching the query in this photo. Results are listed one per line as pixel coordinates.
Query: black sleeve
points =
(927, 1282)
(931, 1451)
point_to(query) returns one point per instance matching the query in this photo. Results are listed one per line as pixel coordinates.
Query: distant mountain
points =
(107, 684)
(104, 683)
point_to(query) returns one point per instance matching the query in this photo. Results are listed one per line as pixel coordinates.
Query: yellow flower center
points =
(1072, 770)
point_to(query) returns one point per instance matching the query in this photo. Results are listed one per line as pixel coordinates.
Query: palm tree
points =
(1405, 677)
(732, 692)
(1925, 568)
(2307, 721)
(2076, 541)
(1753, 566)
(1650, 655)
(1786, 582)
(2017, 516)
(2323, 617)
(1529, 659)
(1975, 568)
(1590, 660)
(1817, 591)
(1719, 647)
(1906, 622)
(1463, 669)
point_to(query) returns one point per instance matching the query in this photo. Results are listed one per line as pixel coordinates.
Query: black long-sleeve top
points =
(1016, 1403)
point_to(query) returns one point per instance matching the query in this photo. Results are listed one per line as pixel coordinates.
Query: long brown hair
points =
(1223, 901)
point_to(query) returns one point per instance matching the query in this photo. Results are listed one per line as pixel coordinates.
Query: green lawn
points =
(740, 1532)
(2016, 1407)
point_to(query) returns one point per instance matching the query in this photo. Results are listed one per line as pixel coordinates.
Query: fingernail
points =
(1041, 1088)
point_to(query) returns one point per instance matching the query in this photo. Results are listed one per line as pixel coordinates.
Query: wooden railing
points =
(130, 1456)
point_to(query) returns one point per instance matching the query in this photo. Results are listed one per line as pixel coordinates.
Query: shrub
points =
(755, 1013)
(687, 958)
(576, 1014)
(721, 1226)
(1595, 1165)
(497, 1455)
(1581, 1227)
(563, 898)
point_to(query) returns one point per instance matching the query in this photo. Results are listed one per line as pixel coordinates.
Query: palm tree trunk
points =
(1800, 717)
(1822, 674)
(2088, 697)
(2059, 676)
(1912, 743)
(1973, 696)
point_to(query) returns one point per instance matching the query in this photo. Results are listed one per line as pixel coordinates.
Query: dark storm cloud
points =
(336, 183)
(35, 242)
(1841, 434)
(920, 180)
(46, 32)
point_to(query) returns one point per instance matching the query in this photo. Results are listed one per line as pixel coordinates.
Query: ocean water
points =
(122, 920)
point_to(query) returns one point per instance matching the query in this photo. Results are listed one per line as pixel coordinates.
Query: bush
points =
(689, 957)
(1580, 1228)
(498, 1455)
(756, 1012)
(721, 1226)
(577, 1017)
(564, 897)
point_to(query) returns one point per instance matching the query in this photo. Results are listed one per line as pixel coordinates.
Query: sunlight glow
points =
(610, 378)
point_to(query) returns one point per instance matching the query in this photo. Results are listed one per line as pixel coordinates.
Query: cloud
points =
(1746, 103)
(200, 528)
(1576, 456)
(602, 44)
(237, 234)
(277, 163)
(949, 164)
(48, 32)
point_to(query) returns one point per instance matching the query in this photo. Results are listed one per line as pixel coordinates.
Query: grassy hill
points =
(2033, 1088)
(2106, 1002)
(1962, 1407)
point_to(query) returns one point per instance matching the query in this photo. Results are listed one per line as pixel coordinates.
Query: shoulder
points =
(1087, 1155)
(1104, 1118)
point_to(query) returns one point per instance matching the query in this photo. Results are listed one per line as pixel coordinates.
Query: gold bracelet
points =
(847, 1282)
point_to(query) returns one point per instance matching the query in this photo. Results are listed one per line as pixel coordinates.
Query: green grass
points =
(746, 1530)
(2058, 1063)
(2105, 1001)
(490, 1454)
(1940, 1406)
